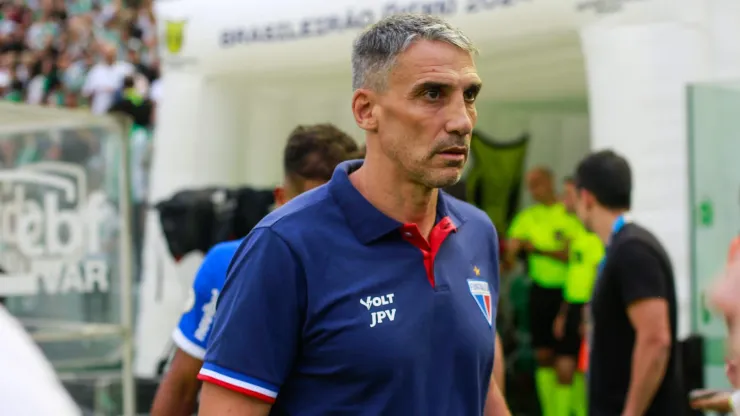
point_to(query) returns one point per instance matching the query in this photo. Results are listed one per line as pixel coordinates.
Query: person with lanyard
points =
(375, 294)
(633, 366)
(542, 232)
(585, 253)
(309, 158)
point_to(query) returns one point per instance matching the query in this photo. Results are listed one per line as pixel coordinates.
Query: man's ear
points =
(363, 106)
(588, 198)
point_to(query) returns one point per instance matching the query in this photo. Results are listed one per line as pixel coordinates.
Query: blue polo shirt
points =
(191, 334)
(332, 307)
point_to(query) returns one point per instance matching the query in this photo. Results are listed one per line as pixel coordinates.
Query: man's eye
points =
(432, 94)
(470, 95)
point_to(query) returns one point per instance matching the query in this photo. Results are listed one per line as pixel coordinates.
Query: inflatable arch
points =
(239, 75)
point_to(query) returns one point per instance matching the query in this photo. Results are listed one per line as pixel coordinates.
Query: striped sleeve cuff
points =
(232, 380)
(184, 343)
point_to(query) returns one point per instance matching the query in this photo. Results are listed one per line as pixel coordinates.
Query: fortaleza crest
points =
(482, 295)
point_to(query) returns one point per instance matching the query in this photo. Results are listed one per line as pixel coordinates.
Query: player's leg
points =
(566, 361)
(542, 315)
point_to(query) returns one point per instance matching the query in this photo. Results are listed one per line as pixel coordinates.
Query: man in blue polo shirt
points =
(375, 294)
(310, 156)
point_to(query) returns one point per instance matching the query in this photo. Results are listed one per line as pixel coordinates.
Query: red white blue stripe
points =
(232, 380)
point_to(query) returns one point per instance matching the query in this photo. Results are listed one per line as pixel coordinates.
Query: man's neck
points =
(604, 224)
(394, 195)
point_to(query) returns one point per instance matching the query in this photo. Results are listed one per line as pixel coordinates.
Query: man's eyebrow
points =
(441, 85)
(432, 85)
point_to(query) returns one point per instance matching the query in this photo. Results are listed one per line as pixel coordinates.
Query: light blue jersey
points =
(191, 334)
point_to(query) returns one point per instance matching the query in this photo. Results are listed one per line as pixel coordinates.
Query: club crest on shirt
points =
(482, 295)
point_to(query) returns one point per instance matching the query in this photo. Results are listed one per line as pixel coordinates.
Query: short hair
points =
(608, 177)
(375, 50)
(313, 151)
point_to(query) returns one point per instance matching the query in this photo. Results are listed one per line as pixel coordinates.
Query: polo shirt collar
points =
(366, 221)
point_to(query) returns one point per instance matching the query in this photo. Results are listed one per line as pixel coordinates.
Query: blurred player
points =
(542, 232)
(309, 158)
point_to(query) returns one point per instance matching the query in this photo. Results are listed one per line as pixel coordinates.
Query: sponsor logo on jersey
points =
(381, 309)
(209, 311)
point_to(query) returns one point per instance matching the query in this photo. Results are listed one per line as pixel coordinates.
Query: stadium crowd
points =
(76, 53)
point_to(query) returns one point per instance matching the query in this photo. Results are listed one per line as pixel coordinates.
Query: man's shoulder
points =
(636, 241)
(634, 236)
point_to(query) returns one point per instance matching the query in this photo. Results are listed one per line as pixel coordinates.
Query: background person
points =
(541, 232)
(633, 366)
(309, 159)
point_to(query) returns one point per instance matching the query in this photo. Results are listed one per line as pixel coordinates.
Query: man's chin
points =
(444, 179)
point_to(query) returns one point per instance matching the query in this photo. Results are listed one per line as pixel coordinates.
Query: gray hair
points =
(375, 51)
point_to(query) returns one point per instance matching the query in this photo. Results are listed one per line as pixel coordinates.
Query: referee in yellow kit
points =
(542, 232)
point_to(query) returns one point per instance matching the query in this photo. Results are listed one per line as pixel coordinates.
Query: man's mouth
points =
(455, 153)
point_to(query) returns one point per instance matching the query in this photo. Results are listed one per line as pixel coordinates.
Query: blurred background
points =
(142, 132)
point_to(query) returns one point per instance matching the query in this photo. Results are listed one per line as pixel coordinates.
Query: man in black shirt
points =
(632, 368)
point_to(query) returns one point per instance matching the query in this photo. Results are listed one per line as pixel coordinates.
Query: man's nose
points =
(461, 118)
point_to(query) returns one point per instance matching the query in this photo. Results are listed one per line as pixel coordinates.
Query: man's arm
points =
(217, 400)
(558, 325)
(644, 291)
(495, 402)
(559, 255)
(178, 391)
(499, 366)
(651, 353)
(257, 330)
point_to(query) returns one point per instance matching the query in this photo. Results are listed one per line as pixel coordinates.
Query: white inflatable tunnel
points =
(572, 74)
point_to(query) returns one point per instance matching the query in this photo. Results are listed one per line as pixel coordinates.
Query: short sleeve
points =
(641, 274)
(193, 330)
(259, 318)
(519, 229)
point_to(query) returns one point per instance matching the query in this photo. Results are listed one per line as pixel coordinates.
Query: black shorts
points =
(570, 344)
(544, 305)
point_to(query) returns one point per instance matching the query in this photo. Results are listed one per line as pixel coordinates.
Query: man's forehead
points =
(436, 61)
